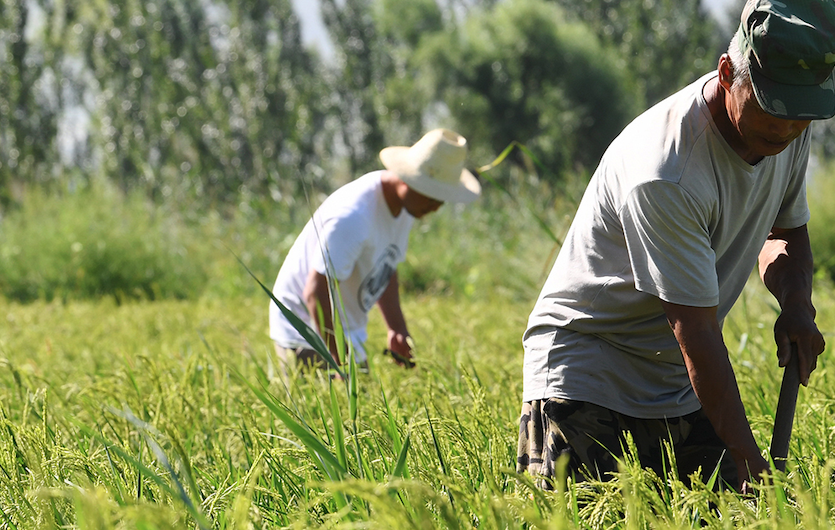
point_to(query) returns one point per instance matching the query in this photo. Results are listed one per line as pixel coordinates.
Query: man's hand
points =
(400, 346)
(750, 471)
(399, 341)
(786, 267)
(799, 328)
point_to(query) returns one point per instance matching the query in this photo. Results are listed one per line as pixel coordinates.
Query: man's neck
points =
(715, 96)
(391, 192)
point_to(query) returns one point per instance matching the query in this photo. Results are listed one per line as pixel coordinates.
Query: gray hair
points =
(740, 63)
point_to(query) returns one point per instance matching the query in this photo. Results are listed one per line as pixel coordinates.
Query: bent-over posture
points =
(626, 334)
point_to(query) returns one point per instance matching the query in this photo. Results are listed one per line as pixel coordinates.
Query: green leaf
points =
(338, 432)
(148, 473)
(307, 333)
(326, 461)
(399, 469)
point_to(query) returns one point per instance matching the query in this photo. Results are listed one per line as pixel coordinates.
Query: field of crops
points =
(174, 415)
(153, 412)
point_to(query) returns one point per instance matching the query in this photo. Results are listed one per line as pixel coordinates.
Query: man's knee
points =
(301, 357)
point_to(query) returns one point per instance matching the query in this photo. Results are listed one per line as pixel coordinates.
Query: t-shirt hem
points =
(677, 298)
(290, 344)
(644, 413)
(789, 224)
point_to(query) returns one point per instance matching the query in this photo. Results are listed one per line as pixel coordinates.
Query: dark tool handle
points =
(784, 417)
(408, 363)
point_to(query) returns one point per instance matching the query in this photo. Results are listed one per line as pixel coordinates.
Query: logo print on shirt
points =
(375, 283)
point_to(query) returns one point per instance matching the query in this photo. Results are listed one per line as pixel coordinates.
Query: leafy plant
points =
(95, 242)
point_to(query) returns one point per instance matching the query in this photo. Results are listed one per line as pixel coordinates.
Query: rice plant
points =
(175, 413)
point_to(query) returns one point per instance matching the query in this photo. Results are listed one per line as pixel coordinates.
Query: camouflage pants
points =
(593, 438)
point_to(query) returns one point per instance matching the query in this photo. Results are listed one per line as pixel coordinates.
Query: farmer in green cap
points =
(626, 334)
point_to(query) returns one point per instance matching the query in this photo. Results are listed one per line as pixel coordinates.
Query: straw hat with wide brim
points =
(434, 166)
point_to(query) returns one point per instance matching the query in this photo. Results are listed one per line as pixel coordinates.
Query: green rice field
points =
(173, 414)
(161, 412)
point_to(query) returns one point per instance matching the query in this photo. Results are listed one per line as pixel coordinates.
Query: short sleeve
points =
(794, 210)
(340, 240)
(669, 246)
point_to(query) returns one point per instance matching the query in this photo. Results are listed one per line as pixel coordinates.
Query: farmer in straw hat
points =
(357, 237)
(626, 334)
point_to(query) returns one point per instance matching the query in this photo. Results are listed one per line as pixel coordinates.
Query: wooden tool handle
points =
(784, 417)
(408, 363)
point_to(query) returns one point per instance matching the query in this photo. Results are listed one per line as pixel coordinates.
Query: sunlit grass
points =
(120, 416)
(174, 414)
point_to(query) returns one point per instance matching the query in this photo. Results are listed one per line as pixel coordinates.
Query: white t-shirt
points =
(671, 212)
(353, 232)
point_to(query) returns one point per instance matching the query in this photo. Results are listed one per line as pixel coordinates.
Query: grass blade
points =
(715, 475)
(439, 453)
(307, 333)
(338, 430)
(328, 463)
(482, 171)
(342, 345)
(148, 473)
(400, 469)
(8, 519)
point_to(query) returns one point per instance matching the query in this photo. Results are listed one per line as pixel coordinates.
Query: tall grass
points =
(79, 427)
(156, 415)
(172, 413)
(95, 242)
(820, 190)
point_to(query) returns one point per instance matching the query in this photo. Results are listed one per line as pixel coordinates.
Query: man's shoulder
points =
(685, 108)
(360, 189)
(660, 143)
(354, 199)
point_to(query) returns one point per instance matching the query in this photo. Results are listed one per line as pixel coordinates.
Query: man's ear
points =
(726, 71)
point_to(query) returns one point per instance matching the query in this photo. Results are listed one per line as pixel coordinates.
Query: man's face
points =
(418, 204)
(762, 133)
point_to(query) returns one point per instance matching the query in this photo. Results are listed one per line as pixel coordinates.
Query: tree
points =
(519, 72)
(363, 65)
(200, 99)
(31, 61)
(405, 95)
(665, 44)
(204, 100)
(379, 88)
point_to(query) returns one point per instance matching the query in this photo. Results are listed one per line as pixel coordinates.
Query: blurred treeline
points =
(140, 138)
(210, 99)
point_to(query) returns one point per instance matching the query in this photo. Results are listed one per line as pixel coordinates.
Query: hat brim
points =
(795, 102)
(466, 190)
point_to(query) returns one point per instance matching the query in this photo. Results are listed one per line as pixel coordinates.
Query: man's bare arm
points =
(317, 298)
(398, 333)
(711, 374)
(786, 268)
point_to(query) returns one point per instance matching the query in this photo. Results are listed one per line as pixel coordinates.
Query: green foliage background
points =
(186, 100)
(218, 116)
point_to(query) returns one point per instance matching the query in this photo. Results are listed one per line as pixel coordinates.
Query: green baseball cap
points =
(791, 49)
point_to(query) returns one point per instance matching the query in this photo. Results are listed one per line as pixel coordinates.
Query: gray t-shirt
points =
(671, 212)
